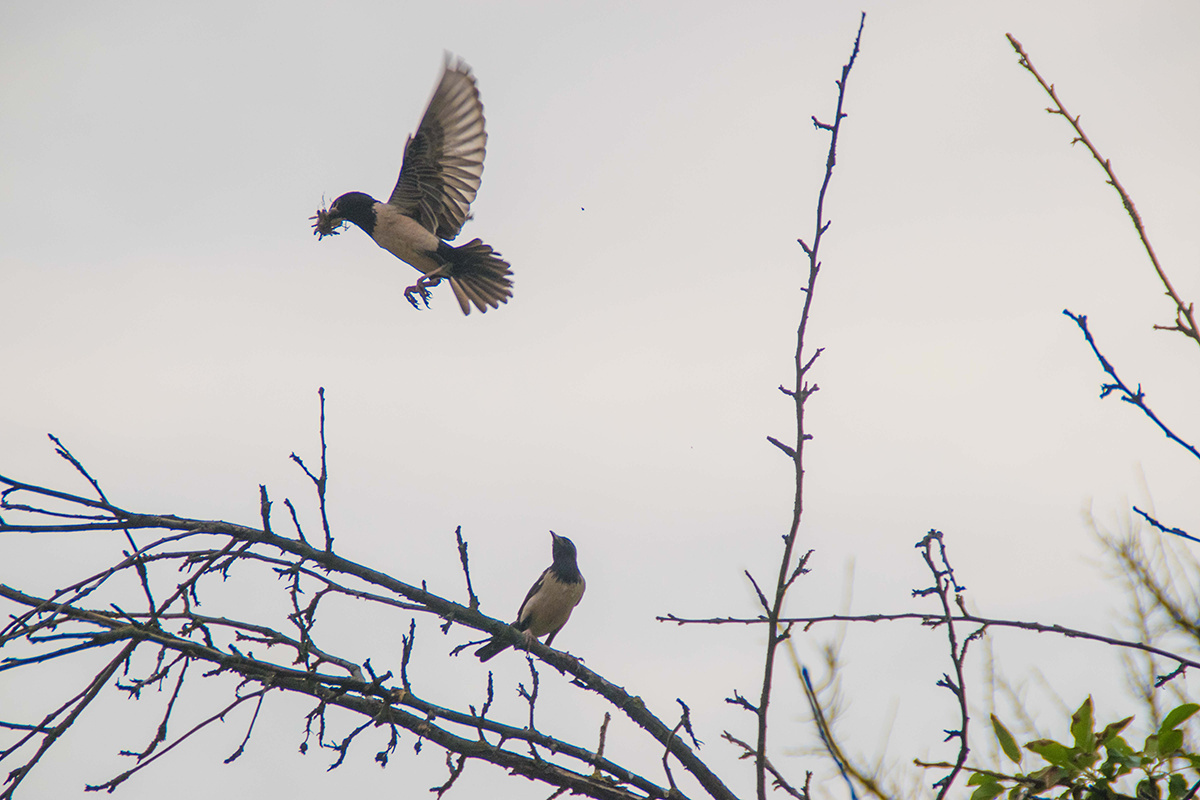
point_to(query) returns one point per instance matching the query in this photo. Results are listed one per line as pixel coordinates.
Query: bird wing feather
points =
(522, 614)
(443, 160)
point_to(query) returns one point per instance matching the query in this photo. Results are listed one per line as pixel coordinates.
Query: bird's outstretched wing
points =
(443, 160)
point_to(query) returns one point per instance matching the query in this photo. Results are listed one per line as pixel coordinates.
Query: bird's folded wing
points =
(443, 160)
(522, 623)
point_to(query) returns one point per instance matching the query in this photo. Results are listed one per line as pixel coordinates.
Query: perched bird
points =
(549, 603)
(443, 163)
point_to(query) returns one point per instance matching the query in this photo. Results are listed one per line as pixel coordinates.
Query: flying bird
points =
(443, 163)
(549, 603)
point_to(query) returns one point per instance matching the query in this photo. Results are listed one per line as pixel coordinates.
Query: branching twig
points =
(944, 584)
(1134, 398)
(1185, 319)
(66, 454)
(934, 620)
(1163, 528)
(531, 693)
(320, 482)
(51, 736)
(196, 642)
(455, 768)
(800, 394)
(472, 600)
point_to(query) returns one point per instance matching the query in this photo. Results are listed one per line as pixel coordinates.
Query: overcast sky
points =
(166, 311)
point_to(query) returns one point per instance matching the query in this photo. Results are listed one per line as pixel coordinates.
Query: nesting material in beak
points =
(327, 224)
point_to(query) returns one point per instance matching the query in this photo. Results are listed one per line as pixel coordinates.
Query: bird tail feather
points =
(479, 275)
(492, 648)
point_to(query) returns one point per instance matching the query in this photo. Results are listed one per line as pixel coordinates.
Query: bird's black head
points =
(356, 207)
(352, 206)
(565, 567)
(564, 549)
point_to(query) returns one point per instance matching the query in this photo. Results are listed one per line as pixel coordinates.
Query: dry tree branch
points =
(66, 454)
(173, 626)
(1180, 532)
(462, 556)
(77, 705)
(943, 584)
(1134, 398)
(934, 620)
(1185, 319)
(333, 690)
(322, 481)
(789, 571)
(110, 785)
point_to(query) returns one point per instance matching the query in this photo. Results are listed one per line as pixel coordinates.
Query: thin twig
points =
(1185, 319)
(472, 600)
(321, 481)
(97, 683)
(800, 394)
(1134, 398)
(1163, 528)
(943, 584)
(934, 620)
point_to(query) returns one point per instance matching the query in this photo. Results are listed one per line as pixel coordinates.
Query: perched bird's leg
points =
(529, 639)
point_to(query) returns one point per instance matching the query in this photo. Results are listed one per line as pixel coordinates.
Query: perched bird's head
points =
(564, 549)
(356, 207)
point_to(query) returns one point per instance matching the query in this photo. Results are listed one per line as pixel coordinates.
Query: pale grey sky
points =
(166, 311)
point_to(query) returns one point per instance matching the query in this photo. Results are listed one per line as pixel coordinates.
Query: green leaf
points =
(1118, 747)
(1169, 743)
(1052, 751)
(987, 791)
(1148, 790)
(1176, 716)
(1112, 730)
(1083, 727)
(1150, 748)
(1177, 786)
(985, 781)
(1007, 743)
(1048, 777)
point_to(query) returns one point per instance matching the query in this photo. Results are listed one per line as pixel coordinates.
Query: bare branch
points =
(472, 600)
(51, 736)
(1185, 319)
(803, 362)
(1164, 529)
(934, 620)
(322, 481)
(455, 767)
(1134, 398)
(944, 584)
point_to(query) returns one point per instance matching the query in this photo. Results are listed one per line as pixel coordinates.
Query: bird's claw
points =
(413, 292)
(420, 289)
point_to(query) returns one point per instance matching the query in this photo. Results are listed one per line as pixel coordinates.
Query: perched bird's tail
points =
(492, 648)
(478, 275)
